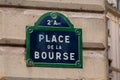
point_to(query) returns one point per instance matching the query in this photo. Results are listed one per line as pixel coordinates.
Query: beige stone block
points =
(91, 5)
(2, 74)
(94, 66)
(15, 21)
(1, 68)
(1, 27)
(94, 30)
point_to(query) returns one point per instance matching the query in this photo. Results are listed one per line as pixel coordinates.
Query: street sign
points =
(54, 42)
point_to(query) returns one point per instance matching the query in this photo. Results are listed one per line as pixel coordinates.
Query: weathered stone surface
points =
(12, 59)
(14, 21)
(81, 5)
(13, 64)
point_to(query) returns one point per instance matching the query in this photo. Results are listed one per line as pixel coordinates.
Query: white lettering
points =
(54, 55)
(36, 55)
(65, 56)
(72, 56)
(48, 22)
(51, 55)
(54, 38)
(58, 56)
(41, 37)
(58, 47)
(55, 22)
(60, 39)
(50, 46)
(67, 39)
(43, 55)
(47, 39)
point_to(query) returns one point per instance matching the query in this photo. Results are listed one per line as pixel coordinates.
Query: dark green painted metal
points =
(78, 32)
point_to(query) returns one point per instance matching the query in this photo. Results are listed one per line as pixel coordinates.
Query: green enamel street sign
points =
(54, 42)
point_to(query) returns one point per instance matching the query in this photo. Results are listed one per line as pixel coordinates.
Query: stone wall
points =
(13, 20)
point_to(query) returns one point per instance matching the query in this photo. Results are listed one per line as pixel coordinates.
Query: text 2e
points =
(53, 22)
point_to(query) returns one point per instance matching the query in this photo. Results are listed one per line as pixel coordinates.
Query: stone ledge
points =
(21, 42)
(97, 6)
(112, 10)
(22, 78)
